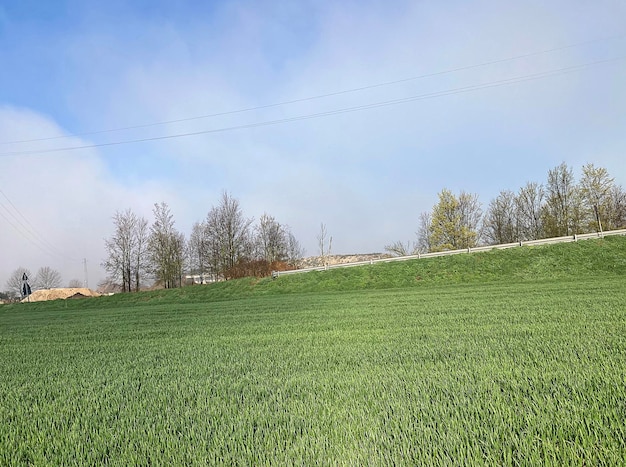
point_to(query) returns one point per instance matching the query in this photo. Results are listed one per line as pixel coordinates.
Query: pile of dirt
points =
(56, 294)
(315, 261)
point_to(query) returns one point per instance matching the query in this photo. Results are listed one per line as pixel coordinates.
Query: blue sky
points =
(75, 67)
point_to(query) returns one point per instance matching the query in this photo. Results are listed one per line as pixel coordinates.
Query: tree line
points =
(224, 245)
(561, 206)
(46, 278)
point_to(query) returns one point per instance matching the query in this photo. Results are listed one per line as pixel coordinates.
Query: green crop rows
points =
(494, 374)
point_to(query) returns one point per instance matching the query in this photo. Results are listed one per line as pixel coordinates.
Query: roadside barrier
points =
(543, 241)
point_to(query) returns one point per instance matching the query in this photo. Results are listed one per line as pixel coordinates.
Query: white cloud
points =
(368, 174)
(62, 202)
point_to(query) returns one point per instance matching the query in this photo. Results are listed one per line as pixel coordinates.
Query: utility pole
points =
(85, 283)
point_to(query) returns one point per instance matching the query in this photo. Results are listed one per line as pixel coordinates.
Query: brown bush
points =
(256, 268)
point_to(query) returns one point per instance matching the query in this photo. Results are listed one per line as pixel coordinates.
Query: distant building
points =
(198, 279)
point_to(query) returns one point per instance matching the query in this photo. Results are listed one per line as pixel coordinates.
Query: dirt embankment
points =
(56, 294)
(315, 261)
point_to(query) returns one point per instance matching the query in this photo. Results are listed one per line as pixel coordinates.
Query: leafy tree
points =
(47, 278)
(596, 186)
(455, 221)
(560, 208)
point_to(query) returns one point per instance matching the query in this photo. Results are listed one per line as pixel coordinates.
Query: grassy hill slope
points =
(575, 261)
(503, 358)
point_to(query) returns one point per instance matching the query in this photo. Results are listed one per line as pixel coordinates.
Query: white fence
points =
(543, 241)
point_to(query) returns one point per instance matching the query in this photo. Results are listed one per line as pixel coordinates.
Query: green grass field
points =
(504, 358)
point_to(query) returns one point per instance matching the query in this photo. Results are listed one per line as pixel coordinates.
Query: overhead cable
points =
(465, 89)
(27, 231)
(316, 97)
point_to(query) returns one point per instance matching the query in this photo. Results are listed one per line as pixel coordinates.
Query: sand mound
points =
(55, 294)
(316, 261)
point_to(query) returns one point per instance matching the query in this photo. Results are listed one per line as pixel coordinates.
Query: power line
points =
(29, 232)
(319, 96)
(26, 236)
(465, 89)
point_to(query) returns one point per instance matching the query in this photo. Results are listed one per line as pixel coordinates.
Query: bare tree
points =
(501, 219)
(400, 248)
(616, 208)
(74, 283)
(471, 214)
(126, 251)
(324, 248)
(166, 248)
(271, 239)
(424, 232)
(229, 236)
(227, 245)
(295, 251)
(561, 213)
(15, 282)
(197, 249)
(529, 204)
(119, 246)
(596, 185)
(213, 239)
(276, 242)
(139, 253)
(47, 278)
